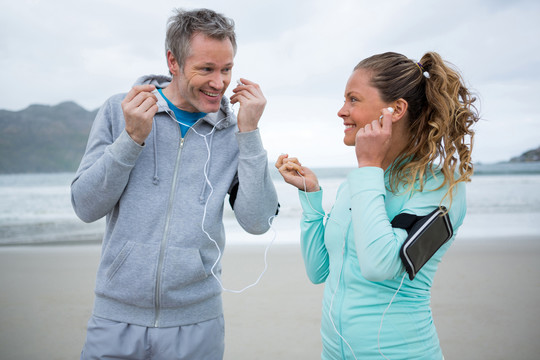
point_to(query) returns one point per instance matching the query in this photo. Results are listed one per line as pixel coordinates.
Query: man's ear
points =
(174, 68)
(400, 109)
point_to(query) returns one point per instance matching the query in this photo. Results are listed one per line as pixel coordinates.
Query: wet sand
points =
(485, 301)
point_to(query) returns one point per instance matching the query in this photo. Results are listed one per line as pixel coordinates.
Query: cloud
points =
(301, 52)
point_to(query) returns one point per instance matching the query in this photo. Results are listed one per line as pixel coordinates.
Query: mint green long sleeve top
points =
(355, 252)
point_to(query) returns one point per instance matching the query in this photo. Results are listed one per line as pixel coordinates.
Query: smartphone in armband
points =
(426, 235)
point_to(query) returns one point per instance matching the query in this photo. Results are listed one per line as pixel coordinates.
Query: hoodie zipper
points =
(164, 239)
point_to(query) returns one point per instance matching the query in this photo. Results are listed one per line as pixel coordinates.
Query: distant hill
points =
(44, 138)
(531, 155)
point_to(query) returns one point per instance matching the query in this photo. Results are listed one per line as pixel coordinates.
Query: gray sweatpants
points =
(106, 339)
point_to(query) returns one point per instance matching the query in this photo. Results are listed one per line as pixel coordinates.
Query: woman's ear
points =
(400, 109)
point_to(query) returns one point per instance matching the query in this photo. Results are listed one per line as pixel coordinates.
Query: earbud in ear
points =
(390, 109)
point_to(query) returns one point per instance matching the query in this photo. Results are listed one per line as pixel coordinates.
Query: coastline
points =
(484, 301)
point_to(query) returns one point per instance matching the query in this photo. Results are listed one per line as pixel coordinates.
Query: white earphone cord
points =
(270, 219)
(340, 270)
(270, 222)
(339, 279)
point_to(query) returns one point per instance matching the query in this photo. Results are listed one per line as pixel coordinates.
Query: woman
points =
(410, 124)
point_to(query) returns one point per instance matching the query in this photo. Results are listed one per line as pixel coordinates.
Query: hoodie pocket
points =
(131, 276)
(183, 271)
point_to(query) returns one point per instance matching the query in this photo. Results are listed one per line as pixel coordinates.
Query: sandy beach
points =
(485, 301)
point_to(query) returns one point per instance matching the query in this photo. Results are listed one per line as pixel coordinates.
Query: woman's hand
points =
(297, 175)
(373, 141)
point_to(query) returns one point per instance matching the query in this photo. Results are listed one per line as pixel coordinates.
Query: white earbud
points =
(390, 109)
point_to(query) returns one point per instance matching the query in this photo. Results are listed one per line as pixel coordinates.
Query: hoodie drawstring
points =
(202, 197)
(156, 177)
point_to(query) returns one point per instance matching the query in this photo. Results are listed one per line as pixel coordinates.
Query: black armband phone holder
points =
(426, 235)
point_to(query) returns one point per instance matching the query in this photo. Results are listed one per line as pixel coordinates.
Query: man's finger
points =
(249, 87)
(246, 82)
(147, 104)
(138, 89)
(140, 98)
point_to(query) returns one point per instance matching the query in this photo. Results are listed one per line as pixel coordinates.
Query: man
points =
(159, 164)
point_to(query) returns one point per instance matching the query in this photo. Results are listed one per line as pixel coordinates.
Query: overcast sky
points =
(300, 52)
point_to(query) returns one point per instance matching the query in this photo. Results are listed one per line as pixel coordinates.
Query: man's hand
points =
(139, 107)
(252, 103)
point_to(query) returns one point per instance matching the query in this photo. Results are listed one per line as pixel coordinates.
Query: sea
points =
(503, 202)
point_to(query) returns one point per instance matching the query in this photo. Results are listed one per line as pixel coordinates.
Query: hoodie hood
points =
(220, 120)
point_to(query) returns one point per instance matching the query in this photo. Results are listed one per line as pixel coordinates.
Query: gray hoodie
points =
(156, 261)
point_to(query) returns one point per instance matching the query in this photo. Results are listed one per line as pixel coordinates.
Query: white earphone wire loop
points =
(220, 254)
(339, 279)
(328, 217)
(382, 317)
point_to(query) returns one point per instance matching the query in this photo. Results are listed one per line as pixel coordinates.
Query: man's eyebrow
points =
(214, 64)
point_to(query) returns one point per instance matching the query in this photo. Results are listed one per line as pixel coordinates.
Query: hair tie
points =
(424, 72)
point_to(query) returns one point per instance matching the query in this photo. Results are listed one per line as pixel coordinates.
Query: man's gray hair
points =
(184, 24)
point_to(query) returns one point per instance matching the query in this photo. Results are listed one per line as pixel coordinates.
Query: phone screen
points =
(425, 242)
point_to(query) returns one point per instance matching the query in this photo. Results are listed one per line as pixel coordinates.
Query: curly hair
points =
(440, 114)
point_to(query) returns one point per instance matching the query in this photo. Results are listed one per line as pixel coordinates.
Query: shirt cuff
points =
(125, 150)
(250, 143)
(311, 202)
